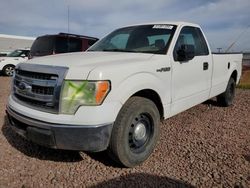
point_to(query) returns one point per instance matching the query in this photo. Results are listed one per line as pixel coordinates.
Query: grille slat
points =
(35, 81)
(42, 90)
(30, 95)
(36, 75)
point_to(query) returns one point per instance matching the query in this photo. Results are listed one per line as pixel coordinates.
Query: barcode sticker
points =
(162, 26)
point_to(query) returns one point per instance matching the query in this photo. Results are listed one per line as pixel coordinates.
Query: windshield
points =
(141, 39)
(42, 46)
(16, 53)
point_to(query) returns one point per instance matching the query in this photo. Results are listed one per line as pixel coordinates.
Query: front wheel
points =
(9, 70)
(226, 98)
(135, 132)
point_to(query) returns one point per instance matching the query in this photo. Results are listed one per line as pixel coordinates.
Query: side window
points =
(23, 52)
(203, 44)
(68, 44)
(61, 45)
(120, 41)
(192, 36)
(27, 53)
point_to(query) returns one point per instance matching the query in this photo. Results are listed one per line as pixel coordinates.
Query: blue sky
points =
(222, 20)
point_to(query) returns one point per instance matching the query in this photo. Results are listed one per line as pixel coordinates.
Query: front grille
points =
(38, 89)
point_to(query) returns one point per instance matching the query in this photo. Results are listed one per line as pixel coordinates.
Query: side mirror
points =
(185, 52)
(23, 55)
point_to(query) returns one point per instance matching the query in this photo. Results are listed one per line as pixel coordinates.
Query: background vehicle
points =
(8, 62)
(114, 96)
(60, 43)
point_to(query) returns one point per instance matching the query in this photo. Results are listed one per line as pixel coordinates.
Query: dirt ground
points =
(245, 78)
(205, 146)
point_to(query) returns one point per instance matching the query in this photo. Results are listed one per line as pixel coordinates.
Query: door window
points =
(192, 36)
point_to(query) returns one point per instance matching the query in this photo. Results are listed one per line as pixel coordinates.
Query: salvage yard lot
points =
(205, 146)
(245, 78)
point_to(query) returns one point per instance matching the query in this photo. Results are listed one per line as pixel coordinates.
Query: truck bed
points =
(223, 65)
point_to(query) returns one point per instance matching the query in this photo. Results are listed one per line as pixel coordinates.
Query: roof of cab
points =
(178, 23)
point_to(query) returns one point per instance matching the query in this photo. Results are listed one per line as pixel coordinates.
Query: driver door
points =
(190, 79)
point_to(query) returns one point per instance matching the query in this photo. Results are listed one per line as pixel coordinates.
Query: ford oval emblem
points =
(24, 87)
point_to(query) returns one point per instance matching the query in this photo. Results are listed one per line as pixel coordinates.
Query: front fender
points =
(138, 82)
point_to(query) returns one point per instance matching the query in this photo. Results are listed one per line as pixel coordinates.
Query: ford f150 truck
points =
(114, 96)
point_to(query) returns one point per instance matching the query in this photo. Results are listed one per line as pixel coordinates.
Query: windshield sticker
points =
(163, 26)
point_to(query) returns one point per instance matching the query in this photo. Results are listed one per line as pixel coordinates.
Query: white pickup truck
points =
(114, 96)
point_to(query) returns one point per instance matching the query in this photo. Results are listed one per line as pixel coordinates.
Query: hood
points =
(81, 63)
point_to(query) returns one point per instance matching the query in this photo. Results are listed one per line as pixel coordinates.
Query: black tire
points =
(8, 70)
(226, 99)
(135, 132)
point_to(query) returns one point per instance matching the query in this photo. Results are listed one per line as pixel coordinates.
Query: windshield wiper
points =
(117, 50)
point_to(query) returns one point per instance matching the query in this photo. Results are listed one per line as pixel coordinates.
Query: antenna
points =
(233, 43)
(68, 18)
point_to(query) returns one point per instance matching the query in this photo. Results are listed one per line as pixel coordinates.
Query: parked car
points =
(60, 43)
(8, 62)
(114, 96)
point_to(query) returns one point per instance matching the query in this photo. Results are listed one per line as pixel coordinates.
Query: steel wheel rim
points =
(140, 132)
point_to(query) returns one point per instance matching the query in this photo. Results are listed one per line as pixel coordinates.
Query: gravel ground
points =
(206, 146)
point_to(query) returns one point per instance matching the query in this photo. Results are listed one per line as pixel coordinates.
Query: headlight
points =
(78, 93)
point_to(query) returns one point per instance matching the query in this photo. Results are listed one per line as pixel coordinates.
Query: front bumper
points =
(70, 137)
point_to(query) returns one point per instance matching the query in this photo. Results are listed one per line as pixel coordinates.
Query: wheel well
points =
(234, 75)
(153, 96)
(9, 65)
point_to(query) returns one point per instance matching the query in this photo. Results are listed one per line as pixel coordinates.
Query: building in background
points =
(10, 43)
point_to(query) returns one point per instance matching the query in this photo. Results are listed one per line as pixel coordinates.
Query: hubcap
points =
(140, 132)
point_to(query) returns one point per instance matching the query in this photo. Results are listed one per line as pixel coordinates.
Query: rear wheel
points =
(135, 132)
(8, 70)
(226, 98)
